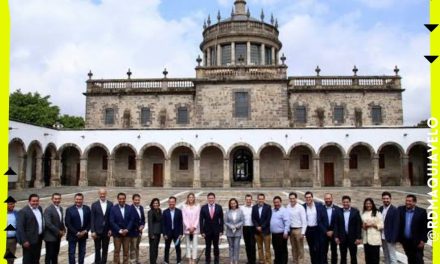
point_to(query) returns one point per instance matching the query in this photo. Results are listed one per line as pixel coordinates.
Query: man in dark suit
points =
(316, 228)
(100, 226)
(211, 227)
(77, 220)
(54, 229)
(390, 232)
(11, 240)
(135, 233)
(120, 223)
(331, 216)
(261, 214)
(349, 231)
(30, 229)
(172, 229)
(413, 229)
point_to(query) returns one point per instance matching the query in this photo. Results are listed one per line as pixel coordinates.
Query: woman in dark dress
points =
(154, 229)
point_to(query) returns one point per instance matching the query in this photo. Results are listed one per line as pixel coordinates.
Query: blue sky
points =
(56, 42)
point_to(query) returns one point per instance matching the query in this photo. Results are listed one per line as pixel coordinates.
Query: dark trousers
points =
(31, 255)
(212, 239)
(352, 247)
(172, 238)
(101, 242)
(52, 251)
(154, 248)
(280, 248)
(372, 254)
(334, 250)
(81, 250)
(412, 252)
(314, 240)
(249, 241)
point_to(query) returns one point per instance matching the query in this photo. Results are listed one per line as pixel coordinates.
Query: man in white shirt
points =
(390, 232)
(135, 233)
(249, 230)
(298, 226)
(100, 226)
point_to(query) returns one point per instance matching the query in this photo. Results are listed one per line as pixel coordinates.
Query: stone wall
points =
(95, 174)
(363, 174)
(301, 177)
(211, 167)
(182, 178)
(392, 173)
(151, 156)
(271, 167)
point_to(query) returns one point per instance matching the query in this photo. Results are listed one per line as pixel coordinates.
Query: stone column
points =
(405, 181)
(375, 165)
(273, 55)
(263, 54)
(110, 164)
(233, 53)
(286, 176)
(83, 181)
(317, 169)
(138, 183)
(21, 173)
(346, 182)
(39, 173)
(219, 55)
(55, 179)
(226, 173)
(167, 176)
(257, 180)
(208, 57)
(248, 53)
(196, 180)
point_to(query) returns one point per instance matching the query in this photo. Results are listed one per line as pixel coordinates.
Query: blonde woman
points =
(372, 224)
(191, 213)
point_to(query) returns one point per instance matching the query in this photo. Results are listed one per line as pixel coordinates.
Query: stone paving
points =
(358, 194)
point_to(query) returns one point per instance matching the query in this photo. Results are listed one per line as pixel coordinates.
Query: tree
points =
(423, 123)
(72, 121)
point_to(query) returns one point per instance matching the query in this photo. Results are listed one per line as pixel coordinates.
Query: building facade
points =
(241, 121)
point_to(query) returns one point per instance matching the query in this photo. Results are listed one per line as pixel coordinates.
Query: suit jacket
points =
(117, 222)
(419, 225)
(264, 220)
(354, 227)
(137, 221)
(154, 223)
(100, 221)
(336, 213)
(237, 224)
(211, 226)
(321, 218)
(167, 223)
(27, 225)
(73, 222)
(53, 224)
(391, 224)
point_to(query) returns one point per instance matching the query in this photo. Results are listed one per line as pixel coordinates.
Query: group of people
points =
(322, 225)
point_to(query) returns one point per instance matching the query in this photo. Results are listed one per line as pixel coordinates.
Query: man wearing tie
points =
(54, 229)
(348, 233)
(135, 233)
(413, 229)
(261, 214)
(77, 221)
(211, 227)
(30, 230)
(316, 230)
(120, 223)
(172, 229)
(100, 226)
(332, 216)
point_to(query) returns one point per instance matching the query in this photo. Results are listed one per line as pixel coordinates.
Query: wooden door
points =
(157, 174)
(329, 174)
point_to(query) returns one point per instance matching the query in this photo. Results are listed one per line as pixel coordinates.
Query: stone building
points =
(240, 122)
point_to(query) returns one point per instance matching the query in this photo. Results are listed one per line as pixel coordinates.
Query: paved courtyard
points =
(358, 194)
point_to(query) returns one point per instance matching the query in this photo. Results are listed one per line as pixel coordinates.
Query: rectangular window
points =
(240, 53)
(226, 55)
(268, 55)
(145, 116)
(213, 57)
(353, 161)
(182, 115)
(104, 162)
(242, 104)
(131, 162)
(376, 115)
(304, 162)
(338, 114)
(381, 161)
(256, 54)
(300, 115)
(183, 162)
(109, 116)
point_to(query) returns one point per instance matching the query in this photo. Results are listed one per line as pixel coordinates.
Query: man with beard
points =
(55, 230)
(390, 232)
(332, 216)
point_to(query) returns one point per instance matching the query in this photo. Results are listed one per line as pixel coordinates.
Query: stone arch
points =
(360, 164)
(212, 157)
(241, 163)
(97, 155)
(49, 164)
(331, 164)
(241, 144)
(153, 164)
(182, 144)
(68, 145)
(271, 164)
(93, 145)
(414, 144)
(334, 144)
(271, 144)
(19, 142)
(301, 166)
(34, 166)
(128, 145)
(16, 161)
(418, 162)
(394, 144)
(390, 163)
(70, 156)
(125, 164)
(182, 157)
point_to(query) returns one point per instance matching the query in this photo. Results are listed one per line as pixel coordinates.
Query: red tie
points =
(211, 211)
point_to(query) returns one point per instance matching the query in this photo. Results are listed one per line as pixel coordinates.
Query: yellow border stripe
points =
(4, 110)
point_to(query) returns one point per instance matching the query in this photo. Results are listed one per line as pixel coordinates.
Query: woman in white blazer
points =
(234, 220)
(372, 224)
